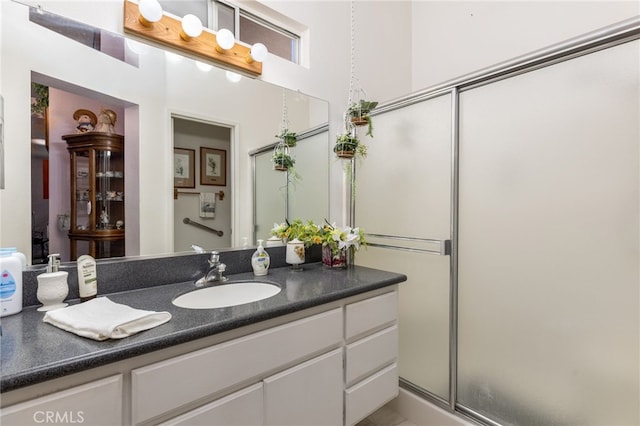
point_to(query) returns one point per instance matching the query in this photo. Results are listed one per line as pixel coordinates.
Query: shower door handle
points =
(414, 244)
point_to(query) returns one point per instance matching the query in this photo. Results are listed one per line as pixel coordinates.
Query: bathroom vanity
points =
(322, 351)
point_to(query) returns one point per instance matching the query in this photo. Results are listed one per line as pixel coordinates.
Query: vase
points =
(295, 254)
(337, 260)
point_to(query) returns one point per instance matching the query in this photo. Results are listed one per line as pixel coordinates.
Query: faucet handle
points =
(221, 268)
(215, 258)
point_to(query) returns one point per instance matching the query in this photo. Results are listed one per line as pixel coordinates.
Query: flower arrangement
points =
(307, 232)
(341, 238)
(337, 242)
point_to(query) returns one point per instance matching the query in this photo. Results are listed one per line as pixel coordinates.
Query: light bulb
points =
(150, 12)
(191, 27)
(258, 53)
(224, 40)
(233, 77)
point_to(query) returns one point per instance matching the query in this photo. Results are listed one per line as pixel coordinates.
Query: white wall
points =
(453, 38)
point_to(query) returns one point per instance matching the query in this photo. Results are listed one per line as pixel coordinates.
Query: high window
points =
(247, 27)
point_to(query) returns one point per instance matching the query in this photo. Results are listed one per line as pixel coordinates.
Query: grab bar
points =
(201, 226)
(443, 246)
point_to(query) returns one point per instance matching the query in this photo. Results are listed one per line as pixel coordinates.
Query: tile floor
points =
(385, 416)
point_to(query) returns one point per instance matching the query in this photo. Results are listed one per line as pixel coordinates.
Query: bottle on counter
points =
(10, 283)
(87, 277)
(260, 261)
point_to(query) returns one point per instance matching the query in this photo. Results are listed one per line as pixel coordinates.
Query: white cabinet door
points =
(241, 408)
(171, 384)
(307, 394)
(95, 403)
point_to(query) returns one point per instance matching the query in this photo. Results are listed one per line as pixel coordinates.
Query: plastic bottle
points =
(14, 252)
(10, 284)
(87, 277)
(260, 261)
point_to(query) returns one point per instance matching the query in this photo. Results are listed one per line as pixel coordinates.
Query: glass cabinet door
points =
(80, 220)
(109, 186)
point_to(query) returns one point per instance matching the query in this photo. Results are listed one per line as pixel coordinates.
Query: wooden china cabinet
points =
(97, 194)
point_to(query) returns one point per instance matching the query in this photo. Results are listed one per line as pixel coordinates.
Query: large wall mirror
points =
(149, 89)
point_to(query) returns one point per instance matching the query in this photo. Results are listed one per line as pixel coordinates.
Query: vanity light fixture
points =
(168, 31)
(257, 53)
(150, 12)
(191, 27)
(224, 40)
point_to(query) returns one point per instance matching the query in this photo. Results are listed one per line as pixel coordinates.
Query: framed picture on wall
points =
(213, 166)
(184, 170)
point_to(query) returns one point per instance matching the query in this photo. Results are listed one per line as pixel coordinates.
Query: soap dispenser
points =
(260, 261)
(52, 286)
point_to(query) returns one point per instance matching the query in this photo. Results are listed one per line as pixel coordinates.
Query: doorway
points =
(202, 185)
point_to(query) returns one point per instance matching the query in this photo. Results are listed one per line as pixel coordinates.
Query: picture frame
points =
(213, 166)
(184, 171)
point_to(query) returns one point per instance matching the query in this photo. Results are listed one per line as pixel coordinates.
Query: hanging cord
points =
(352, 69)
(284, 126)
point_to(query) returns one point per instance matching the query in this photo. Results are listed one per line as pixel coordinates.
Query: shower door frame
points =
(607, 37)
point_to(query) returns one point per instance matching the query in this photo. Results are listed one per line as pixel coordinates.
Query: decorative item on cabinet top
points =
(340, 243)
(87, 121)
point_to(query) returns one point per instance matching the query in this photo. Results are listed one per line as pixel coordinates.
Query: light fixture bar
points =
(167, 32)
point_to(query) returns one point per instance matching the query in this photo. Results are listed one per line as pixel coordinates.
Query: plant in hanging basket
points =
(359, 112)
(282, 161)
(40, 100)
(289, 138)
(348, 146)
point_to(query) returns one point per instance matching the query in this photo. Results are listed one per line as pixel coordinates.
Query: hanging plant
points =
(348, 145)
(40, 99)
(288, 138)
(282, 161)
(359, 112)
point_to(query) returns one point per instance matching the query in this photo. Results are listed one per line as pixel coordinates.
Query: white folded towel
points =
(102, 319)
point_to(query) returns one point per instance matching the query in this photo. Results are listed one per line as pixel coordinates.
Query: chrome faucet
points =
(215, 272)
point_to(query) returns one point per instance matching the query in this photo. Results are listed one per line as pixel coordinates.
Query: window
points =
(251, 29)
(279, 41)
(246, 26)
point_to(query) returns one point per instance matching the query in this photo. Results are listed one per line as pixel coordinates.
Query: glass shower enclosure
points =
(532, 171)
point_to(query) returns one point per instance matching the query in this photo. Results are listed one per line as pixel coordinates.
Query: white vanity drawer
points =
(371, 314)
(366, 356)
(238, 409)
(94, 403)
(371, 394)
(167, 385)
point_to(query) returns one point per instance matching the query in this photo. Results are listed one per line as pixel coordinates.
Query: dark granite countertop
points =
(33, 351)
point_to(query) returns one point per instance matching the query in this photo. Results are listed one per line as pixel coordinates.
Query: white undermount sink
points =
(224, 295)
